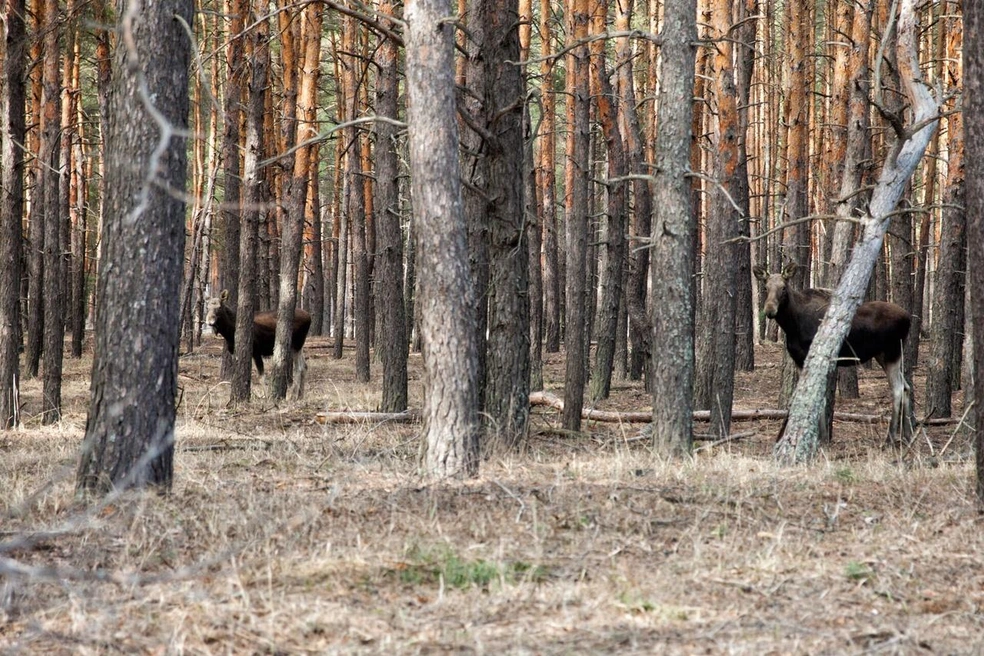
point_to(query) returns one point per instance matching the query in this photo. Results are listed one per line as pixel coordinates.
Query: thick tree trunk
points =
(451, 422)
(12, 133)
(973, 18)
(500, 266)
(393, 329)
(129, 437)
(673, 235)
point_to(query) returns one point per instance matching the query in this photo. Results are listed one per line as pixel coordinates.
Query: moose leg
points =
(299, 371)
(900, 429)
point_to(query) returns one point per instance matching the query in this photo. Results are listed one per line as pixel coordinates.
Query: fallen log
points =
(548, 399)
(357, 417)
(554, 401)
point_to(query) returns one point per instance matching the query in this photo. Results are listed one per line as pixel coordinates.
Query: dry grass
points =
(284, 536)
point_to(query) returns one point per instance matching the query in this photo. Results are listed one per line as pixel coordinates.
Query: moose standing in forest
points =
(878, 330)
(222, 318)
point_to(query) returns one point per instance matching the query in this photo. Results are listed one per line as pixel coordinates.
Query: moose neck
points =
(225, 325)
(797, 314)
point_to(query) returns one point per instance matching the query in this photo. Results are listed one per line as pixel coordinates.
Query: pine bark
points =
(253, 196)
(948, 296)
(714, 384)
(232, 170)
(973, 17)
(642, 195)
(12, 134)
(577, 170)
(49, 151)
(547, 182)
(129, 437)
(296, 198)
(393, 329)
(451, 422)
(615, 247)
(673, 237)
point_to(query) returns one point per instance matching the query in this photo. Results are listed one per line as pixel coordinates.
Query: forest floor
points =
(287, 536)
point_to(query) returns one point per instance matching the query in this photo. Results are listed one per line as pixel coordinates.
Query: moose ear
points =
(789, 270)
(224, 296)
(760, 271)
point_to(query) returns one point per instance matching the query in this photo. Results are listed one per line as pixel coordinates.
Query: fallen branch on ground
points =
(609, 416)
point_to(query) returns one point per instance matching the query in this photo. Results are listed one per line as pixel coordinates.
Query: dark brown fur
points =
(222, 318)
(878, 331)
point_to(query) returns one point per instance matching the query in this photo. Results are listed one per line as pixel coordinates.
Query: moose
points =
(878, 331)
(222, 318)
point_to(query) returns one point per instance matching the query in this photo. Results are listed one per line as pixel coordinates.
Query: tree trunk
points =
(232, 171)
(500, 267)
(616, 211)
(945, 346)
(974, 125)
(852, 75)
(253, 195)
(355, 198)
(546, 176)
(393, 329)
(451, 421)
(796, 238)
(744, 303)
(642, 194)
(12, 133)
(576, 203)
(714, 384)
(129, 437)
(53, 295)
(296, 203)
(799, 441)
(341, 279)
(673, 235)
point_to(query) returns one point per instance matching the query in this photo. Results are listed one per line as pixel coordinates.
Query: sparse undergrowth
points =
(286, 536)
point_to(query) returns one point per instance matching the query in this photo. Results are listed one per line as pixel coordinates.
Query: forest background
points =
(797, 108)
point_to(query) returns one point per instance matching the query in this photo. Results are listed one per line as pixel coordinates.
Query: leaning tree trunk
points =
(129, 437)
(12, 132)
(799, 441)
(451, 421)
